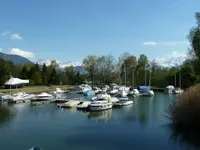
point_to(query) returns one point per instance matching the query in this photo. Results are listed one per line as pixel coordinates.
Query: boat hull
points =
(123, 103)
(100, 107)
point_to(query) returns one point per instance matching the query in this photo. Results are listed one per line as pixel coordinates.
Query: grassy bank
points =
(35, 89)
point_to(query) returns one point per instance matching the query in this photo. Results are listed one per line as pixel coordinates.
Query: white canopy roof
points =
(170, 87)
(44, 95)
(16, 81)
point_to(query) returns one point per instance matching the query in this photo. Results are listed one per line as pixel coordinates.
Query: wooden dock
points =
(158, 89)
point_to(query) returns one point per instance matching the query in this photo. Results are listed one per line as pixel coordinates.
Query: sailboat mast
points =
(145, 74)
(125, 73)
(10, 84)
(133, 78)
(180, 78)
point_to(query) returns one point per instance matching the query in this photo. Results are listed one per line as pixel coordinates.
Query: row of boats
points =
(170, 89)
(97, 103)
(115, 89)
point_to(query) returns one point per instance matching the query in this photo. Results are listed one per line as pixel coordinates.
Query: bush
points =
(186, 112)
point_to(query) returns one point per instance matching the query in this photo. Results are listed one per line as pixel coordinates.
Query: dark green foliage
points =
(39, 75)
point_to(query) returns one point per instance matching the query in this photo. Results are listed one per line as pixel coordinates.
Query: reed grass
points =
(186, 111)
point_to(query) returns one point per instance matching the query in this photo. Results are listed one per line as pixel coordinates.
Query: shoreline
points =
(35, 89)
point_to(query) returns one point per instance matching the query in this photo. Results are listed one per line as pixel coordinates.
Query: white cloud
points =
(16, 37)
(150, 43)
(171, 43)
(175, 58)
(5, 33)
(20, 52)
(1, 49)
(167, 43)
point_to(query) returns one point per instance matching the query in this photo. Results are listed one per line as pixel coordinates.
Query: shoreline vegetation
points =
(185, 113)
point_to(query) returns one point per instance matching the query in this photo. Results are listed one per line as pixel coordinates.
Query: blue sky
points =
(69, 30)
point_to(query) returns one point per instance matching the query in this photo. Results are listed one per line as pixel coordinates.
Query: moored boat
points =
(69, 104)
(101, 102)
(178, 91)
(43, 97)
(169, 89)
(35, 148)
(89, 92)
(83, 105)
(123, 101)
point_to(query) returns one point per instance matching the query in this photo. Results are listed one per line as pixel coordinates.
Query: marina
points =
(54, 128)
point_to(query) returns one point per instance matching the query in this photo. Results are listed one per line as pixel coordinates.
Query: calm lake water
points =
(140, 127)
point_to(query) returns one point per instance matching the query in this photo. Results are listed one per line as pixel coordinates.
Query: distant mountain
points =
(78, 68)
(16, 59)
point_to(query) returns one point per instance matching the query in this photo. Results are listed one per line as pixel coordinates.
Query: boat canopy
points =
(16, 81)
(44, 95)
(143, 88)
(170, 87)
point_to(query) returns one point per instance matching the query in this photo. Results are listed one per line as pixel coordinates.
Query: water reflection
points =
(187, 138)
(101, 115)
(5, 114)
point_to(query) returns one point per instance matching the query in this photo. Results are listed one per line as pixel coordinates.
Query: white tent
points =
(16, 81)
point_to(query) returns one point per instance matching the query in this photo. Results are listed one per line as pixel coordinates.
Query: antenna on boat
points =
(10, 84)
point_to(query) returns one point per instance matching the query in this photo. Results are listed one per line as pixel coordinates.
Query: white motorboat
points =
(5, 97)
(169, 89)
(113, 92)
(16, 98)
(105, 88)
(43, 97)
(83, 105)
(58, 91)
(35, 148)
(29, 97)
(148, 93)
(70, 104)
(178, 91)
(123, 101)
(123, 93)
(101, 102)
(21, 97)
(84, 88)
(106, 97)
(124, 88)
(97, 90)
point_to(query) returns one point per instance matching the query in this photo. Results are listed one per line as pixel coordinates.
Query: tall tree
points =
(142, 66)
(54, 77)
(130, 63)
(90, 63)
(44, 74)
(194, 38)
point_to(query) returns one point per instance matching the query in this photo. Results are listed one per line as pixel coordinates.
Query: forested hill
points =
(16, 59)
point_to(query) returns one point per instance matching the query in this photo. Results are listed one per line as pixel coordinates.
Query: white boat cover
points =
(16, 81)
(170, 87)
(44, 95)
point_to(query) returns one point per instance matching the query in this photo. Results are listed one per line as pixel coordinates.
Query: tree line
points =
(126, 69)
(39, 75)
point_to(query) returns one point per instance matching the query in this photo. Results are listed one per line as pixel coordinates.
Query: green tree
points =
(129, 66)
(194, 38)
(37, 80)
(54, 77)
(44, 74)
(69, 71)
(90, 64)
(142, 67)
